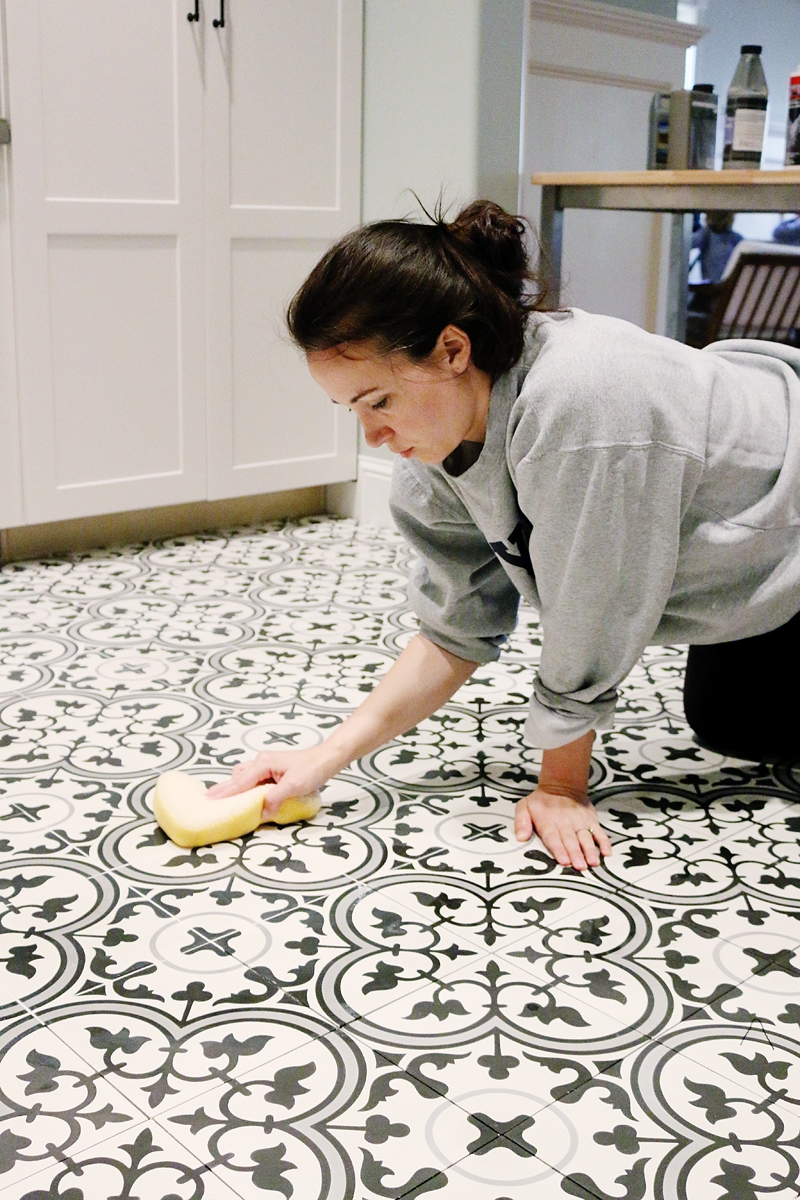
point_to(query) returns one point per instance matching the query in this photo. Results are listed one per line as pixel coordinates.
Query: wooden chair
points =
(758, 297)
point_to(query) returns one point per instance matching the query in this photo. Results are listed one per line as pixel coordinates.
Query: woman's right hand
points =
(422, 679)
(294, 773)
(568, 826)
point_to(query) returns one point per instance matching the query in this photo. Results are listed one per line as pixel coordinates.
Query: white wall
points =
(442, 81)
(500, 74)
(442, 107)
(442, 93)
(592, 72)
(775, 25)
(442, 100)
(420, 103)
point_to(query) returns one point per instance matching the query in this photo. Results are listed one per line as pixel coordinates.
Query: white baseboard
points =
(367, 498)
(119, 529)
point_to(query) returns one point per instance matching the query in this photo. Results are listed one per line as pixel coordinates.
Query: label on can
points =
(793, 124)
(748, 129)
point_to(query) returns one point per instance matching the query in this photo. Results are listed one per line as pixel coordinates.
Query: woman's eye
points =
(380, 404)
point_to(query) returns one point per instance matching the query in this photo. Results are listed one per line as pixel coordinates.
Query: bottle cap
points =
(704, 87)
(750, 50)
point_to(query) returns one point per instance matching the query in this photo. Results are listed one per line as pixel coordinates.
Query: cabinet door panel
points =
(285, 66)
(283, 128)
(114, 328)
(280, 416)
(106, 105)
(109, 119)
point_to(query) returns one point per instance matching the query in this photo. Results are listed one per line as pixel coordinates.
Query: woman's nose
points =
(376, 432)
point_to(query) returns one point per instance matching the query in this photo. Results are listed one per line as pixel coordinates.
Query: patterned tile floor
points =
(396, 998)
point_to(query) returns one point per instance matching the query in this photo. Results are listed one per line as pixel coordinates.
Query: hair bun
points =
(395, 285)
(495, 237)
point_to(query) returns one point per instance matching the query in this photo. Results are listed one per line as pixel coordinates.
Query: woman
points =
(633, 489)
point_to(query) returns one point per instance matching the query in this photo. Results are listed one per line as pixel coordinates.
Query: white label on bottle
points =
(748, 129)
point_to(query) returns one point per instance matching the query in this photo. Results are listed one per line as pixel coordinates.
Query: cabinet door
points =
(10, 473)
(283, 132)
(106, 111)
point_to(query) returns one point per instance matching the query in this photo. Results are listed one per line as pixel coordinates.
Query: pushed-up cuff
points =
(477, 650)
(555, 720)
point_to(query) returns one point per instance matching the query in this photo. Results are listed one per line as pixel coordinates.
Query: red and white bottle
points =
(793, 123)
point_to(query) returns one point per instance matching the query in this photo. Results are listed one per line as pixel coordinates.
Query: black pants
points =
(741, 698)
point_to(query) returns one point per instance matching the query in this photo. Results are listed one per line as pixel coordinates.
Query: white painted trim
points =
(341, 499)
(77, 534)
(554, 71)
(626, 22)
(374, 484)
(371, 465)
(367, 498)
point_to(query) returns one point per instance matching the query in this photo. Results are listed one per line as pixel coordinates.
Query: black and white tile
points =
(396, 998)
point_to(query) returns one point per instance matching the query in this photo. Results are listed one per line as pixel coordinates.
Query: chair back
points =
(760, 296)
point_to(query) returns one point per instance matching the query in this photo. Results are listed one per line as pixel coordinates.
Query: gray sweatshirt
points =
(633, 490)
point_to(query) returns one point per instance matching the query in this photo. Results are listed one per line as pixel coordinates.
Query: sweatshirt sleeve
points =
(463, 598)
(604, 549)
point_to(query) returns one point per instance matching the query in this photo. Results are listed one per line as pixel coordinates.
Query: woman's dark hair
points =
(397, 284)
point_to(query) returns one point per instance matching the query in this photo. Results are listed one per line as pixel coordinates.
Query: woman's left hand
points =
(567, 825)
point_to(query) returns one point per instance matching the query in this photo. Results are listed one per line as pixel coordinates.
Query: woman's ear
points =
(453, 350)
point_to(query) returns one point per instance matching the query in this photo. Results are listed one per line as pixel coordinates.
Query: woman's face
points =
(418, 411)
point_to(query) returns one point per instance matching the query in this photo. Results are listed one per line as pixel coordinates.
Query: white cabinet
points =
(172, 183)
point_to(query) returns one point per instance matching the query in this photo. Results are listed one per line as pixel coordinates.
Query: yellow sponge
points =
(189, 819)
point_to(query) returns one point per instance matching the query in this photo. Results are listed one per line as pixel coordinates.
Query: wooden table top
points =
(788, 175)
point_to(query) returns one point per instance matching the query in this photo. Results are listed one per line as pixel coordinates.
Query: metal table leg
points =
(680, 244)
(551, 231)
